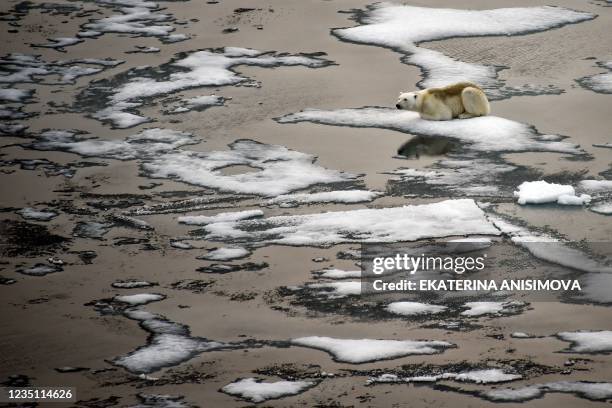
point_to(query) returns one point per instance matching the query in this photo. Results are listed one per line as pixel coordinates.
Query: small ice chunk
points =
(358, 351)
(490, 308)
(337, 289)
(254, 390)
(538, 192)
(334, 273)
(29, 213)
(140, 298)
(566, 199)
(40, 269)
(596, 185)
(131, 284)
(521, 335)
(226, 254)
(604, 208)
(588, 341)
(414, 308)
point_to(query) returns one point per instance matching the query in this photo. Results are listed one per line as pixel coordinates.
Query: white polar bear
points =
(461, 100)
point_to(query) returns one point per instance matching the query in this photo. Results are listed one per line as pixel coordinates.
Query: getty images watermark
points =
(547, 270)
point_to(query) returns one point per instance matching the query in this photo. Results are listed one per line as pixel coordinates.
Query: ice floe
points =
(596, 186)
(539, 192)
(588, 341)
(221, 217)
(169, 344)
(601, 83)
(254, 390)
(521, 335)
(15, 95)
(358, 351)
(280, 170)
(212, 67)
(226, 254)
(483, 376)
(29, 213)
(596, 391)
(342, 196)
(404, 27)
(476, 309)
(40, 269)
(396, 224)
(604, 208)
(59, 43)
(198, 103)
(145, 144)
(91, 229)
(336, 290)
(486, 134)
(139, 298)
(334, 273)
(23, 68)
(414, 308)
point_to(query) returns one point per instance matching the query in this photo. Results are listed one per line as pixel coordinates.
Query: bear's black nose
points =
(397, 105)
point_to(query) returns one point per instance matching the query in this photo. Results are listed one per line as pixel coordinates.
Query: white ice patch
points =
(358, 351)
(540, 192)
(40, 269)
(221, 217)
(484, 376)
(226, 254)
(334, 290)
(601, 83)
(588, 341)
(198, 103)
(343, 196)
(476, 309)
(139, 298)
(59, 43)
(487, 133)
(198, 69)
(403, 27)
(280, 170)
(254, 390)
(521, 335)
(397, 224)
(334, 273)
(596, 186)
(145, 144)
(22, 68)
(38, 215)
(414, 308)
(598, 391)
(602, 208)
(15, 95)
(170, 344)
(131, 284)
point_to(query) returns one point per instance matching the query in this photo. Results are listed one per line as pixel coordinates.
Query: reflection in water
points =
(426, 146)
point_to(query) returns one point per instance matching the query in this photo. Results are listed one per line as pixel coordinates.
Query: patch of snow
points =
(358, 351)
(407, 223)
(131, 284)
(414, 308)
(521, 335)
(597, 391)
(484, 376)
(15, 95)
(59, 43)
(254, 390)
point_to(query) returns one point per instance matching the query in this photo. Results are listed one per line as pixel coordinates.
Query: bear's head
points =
(408, 101)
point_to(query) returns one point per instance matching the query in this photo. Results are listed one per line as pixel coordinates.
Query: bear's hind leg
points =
(474, 102)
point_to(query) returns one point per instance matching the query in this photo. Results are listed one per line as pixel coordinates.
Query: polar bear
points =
(461, 100)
